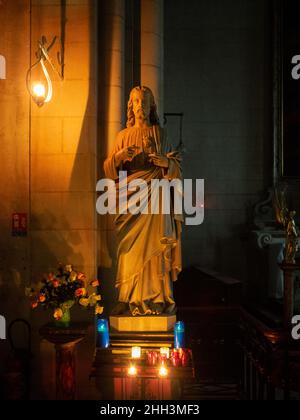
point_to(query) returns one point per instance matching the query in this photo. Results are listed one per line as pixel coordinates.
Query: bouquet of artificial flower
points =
(62, 289)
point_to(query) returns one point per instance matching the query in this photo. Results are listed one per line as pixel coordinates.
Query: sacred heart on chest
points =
(148, 145)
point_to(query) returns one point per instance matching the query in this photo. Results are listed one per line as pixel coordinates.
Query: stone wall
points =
(15, 173)
(49, 161)
(217, 71)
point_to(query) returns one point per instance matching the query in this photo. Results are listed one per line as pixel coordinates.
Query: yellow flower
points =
(94, 299)
(99, 310)
(58, 314)
(84, 302)
(73, 276)
(69, 268)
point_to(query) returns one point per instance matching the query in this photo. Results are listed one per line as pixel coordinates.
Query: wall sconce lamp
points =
(41, 91)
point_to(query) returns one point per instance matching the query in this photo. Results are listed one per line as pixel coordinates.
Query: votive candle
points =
(166, 351)
(136, 352)
(102, 333)
(179, 335)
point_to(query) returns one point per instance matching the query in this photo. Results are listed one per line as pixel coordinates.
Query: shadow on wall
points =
(87, 144)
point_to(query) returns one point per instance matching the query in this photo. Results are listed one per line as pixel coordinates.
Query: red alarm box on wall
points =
(19, 224)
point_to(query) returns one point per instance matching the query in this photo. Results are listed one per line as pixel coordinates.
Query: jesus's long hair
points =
(154, 120)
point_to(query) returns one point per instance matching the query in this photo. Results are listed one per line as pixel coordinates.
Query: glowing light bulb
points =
(39, 90)
(163, 372)
(132, 371)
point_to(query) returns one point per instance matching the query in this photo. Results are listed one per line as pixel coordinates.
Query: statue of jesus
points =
(149, 245)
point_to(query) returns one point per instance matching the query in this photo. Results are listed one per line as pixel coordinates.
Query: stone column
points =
(112, 113)
(112, 16)
(152, 13)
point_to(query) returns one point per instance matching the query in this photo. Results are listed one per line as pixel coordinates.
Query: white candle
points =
(166, 351)
(136, 352)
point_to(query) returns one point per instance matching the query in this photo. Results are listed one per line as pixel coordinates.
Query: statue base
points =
(142, 323)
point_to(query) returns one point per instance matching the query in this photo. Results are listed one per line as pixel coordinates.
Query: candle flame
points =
(132, 371)
(163, 372)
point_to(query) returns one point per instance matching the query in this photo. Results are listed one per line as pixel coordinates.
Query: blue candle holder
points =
(179, 335)
(102, 333)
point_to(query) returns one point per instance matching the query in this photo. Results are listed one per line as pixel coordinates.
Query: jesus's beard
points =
(140, 115)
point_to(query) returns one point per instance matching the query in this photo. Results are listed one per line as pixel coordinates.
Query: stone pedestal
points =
(125, 323)
(289, 271)
(65, 341)
(122, 342)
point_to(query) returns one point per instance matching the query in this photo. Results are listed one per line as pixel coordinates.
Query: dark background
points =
(291, 90)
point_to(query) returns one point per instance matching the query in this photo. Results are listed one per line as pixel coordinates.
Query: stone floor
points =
(204, 391)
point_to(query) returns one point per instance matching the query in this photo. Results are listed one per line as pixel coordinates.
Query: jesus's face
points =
(141, 105)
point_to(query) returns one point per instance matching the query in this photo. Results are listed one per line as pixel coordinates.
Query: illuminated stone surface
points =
(143, 323)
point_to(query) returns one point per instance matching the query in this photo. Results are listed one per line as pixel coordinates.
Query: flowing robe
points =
(149, 250)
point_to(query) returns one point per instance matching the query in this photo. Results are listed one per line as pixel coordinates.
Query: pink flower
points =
(81, 276)
(50, 277)
(55, 283)
(80, 292)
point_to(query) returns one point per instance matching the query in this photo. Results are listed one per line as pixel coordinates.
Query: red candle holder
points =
(181, 357)
(152, 358)
(162, 358)
(175, 358)
(186, 357)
